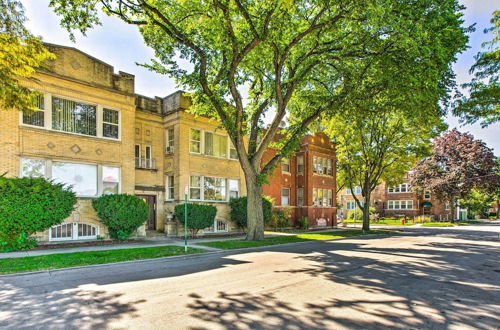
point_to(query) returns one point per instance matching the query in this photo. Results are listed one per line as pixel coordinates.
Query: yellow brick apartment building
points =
(94, 132)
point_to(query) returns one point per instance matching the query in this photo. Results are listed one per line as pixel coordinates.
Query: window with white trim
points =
(84, 178)
(300, 164)
(356, 190)
(212, 188)
(215, 145)
(195, 141)
(169, 187)
(285, 165)
(73, 231)
(170, 143)
(36, 118)
(285, 196)
(350, 205)
(322, 165)
(110, 123)
(402, 188)
(234, 188)
(427, 194)
(322, 197)
(300, 196)
(72, 116)
(400, 205)
(195, 187)
(447, 206)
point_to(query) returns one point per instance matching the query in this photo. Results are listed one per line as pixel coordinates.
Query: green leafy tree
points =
(21, 54)
(458, 164)
(477, 203)
(281, 58)
(483, 102)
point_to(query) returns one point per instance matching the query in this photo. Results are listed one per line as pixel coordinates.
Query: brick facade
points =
(312, 147)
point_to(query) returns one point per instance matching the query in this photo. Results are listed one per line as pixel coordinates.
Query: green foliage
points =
(477, 203)
(199, 216)
(121, 213)
(358, 215)
(297, 59)
(279, 220)
(29, 205)
(304, 223)
(21, 54)
(483, 102)
(239, 210)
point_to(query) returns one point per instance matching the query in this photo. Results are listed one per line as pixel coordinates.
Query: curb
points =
(191, 256)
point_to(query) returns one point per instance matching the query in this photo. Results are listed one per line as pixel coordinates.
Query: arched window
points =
(73, 231)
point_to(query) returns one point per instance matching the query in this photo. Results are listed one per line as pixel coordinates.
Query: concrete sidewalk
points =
(156, 241)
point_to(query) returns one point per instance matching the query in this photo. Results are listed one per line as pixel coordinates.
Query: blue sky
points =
(121, 45)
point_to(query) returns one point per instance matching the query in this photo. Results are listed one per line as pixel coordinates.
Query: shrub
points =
(29, 205)
(304, 223)
(121, 213)
(199, 216)
(279, 220)
(239, 210)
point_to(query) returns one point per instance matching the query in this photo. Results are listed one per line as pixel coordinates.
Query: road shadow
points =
(67, 309)
(426, 286)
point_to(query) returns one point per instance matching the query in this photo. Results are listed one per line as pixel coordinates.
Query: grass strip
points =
(238, 244)
(63, 260)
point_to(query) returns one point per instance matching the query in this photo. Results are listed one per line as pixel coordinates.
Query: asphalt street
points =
(423, 278)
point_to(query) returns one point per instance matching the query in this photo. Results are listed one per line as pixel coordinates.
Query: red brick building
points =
(304, 185)
(399, 201)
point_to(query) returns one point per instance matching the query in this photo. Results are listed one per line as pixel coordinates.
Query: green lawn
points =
(390, 222)
(237, 244)
(449, 224)
(63, 260)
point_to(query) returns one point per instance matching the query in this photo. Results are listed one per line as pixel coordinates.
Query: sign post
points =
(185, 217)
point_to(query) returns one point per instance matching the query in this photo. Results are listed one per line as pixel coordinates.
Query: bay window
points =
(322, 197)
(86, 180)
(322, 165)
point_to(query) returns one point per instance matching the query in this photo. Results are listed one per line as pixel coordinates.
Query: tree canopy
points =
(458, 164)
(21, 53)
(284, 59)
(483, 102)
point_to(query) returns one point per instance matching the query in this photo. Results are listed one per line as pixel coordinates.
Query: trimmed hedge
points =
(29, 205)
(121, 213)
(239, 210)
(200, 216)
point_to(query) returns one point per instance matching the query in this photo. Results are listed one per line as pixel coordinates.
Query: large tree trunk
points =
(366, 212)
(255, 215)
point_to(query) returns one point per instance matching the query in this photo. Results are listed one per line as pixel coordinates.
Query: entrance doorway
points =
(151, 201)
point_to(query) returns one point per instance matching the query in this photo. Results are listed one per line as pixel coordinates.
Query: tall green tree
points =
(458, 164)
(21, 53)
(483, 102)
(282, 58)
(379, 145)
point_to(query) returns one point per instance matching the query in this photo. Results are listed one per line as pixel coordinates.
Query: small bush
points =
(304, 223)
(29, 205)
(279, 220)
(200, 216)
(121, 213)
(239, 210)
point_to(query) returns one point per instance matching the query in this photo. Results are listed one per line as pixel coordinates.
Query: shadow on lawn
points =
(438, 285)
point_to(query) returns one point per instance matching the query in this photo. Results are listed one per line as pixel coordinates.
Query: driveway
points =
(424, 278)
